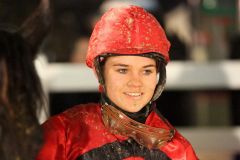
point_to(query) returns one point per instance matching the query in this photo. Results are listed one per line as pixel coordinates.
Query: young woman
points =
(128, 51)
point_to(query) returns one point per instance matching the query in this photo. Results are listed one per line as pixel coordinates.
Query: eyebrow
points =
(121, 65)
(150, 65)
(125, 65)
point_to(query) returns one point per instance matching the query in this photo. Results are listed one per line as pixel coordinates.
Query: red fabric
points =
(80, 129)
(128, 30)
(134, 158)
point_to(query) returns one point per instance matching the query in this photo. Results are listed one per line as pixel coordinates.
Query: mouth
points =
(134, 95)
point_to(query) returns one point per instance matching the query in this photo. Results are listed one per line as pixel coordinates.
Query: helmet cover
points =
(127, 30)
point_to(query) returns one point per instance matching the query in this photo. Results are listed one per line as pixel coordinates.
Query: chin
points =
(134, 109)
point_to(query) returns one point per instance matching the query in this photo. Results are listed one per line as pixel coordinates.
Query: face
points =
(130, 81)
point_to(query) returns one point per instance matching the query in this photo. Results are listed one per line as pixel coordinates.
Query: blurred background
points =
(202, 95)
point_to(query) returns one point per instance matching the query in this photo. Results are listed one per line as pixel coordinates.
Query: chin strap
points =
(119, 123)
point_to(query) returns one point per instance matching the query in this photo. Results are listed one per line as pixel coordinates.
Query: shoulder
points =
(161, 122)
(81, 110)
(155, 119)
(62, 131)
(73, 115)
(178, 144)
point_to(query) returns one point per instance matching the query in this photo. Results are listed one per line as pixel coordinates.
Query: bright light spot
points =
(210, 4)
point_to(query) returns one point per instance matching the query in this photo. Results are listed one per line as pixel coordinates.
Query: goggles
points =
(119, 123)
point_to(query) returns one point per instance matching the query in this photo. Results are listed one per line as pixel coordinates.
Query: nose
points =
(134, 80)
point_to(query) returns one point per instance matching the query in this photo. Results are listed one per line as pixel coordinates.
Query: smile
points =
(133, 94)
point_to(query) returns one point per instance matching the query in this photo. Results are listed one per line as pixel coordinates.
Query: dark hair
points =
(23, 97)
(23, 82)
(21, 94)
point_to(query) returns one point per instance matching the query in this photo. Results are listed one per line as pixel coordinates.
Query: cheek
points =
(151, 82)
(150, 87)
(114, 89)
(112, 82)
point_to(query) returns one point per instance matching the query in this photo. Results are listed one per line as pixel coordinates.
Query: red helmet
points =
(127, 30)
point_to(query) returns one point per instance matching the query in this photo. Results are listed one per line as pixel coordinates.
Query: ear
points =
(101, 88)
(37, 25)
(96, 75)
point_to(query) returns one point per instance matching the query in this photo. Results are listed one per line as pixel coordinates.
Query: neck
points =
(139, 116)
